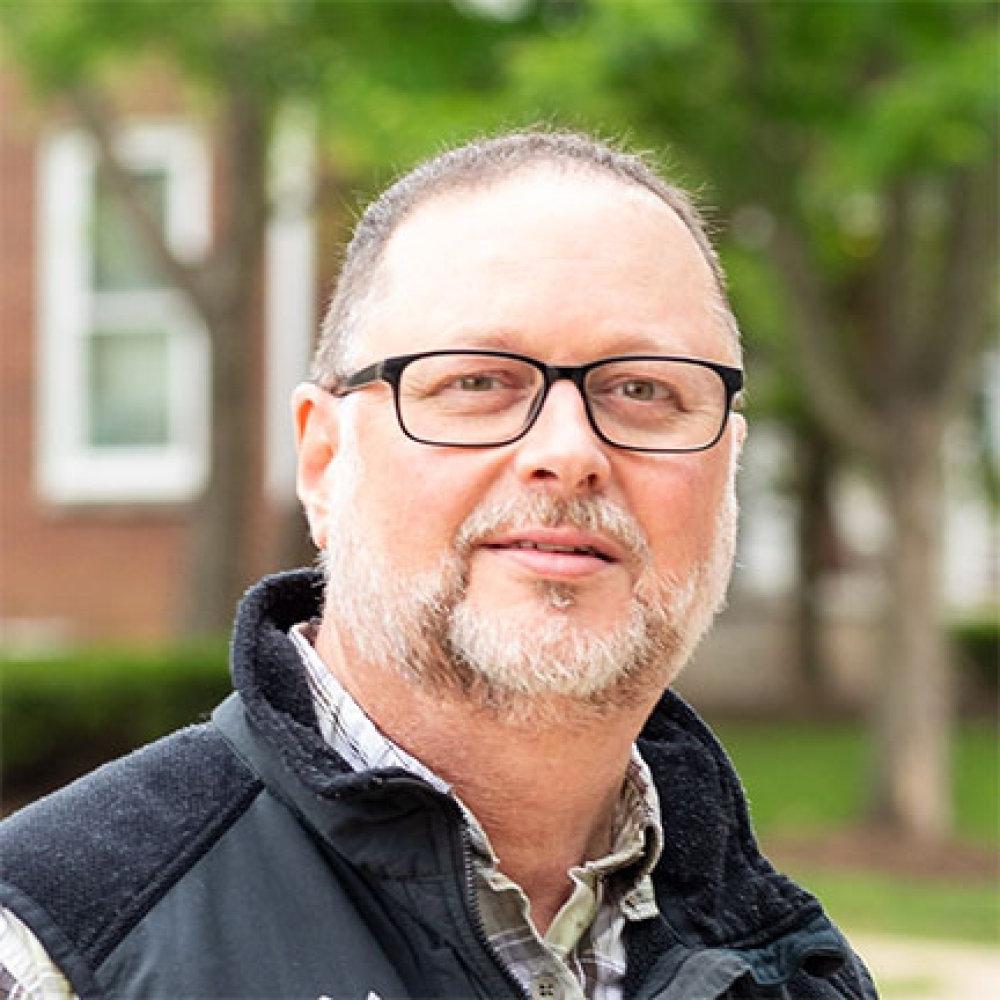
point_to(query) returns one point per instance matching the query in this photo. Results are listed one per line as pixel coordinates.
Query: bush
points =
(62, 715)
(977, 638)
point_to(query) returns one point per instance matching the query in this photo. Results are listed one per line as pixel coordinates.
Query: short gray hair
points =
(479, 164)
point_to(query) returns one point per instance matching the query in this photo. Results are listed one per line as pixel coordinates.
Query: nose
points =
(561, 450)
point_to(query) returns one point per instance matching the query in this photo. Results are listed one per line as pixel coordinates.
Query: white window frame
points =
(290, 292)
(70, 469)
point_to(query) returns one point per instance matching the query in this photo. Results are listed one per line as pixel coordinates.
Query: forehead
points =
(566, 266)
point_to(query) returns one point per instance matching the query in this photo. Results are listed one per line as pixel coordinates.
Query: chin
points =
(553, 650)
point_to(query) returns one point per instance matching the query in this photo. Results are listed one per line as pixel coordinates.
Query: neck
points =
(555, 784)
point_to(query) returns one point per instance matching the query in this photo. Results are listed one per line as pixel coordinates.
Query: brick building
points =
(104, 373)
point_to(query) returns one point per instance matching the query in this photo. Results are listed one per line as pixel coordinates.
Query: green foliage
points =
(802, 111)
(386, 81)
(803, 777)
(803, 115)
(61, 715)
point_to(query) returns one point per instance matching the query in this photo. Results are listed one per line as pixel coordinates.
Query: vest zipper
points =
(472, 904)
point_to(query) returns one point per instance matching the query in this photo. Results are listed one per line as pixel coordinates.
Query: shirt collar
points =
(344, 724)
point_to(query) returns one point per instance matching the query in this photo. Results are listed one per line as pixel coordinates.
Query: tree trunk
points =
(913, 707)
(220, 534)
(817, 555)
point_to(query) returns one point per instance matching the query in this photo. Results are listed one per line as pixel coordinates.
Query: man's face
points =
(567, 269)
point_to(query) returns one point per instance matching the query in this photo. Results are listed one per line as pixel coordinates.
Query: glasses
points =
(479, 399)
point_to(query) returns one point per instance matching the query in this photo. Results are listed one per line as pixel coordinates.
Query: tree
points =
(862, 135)
(240, 65)
(865, 135)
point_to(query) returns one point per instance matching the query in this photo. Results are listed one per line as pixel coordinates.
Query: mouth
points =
(555, 554)
(573, 550)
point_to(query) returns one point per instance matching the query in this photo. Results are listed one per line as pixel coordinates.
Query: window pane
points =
(128, 389)
(121, 260)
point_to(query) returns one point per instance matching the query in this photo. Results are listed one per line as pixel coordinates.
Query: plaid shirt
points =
(26, 971)
(582, 954)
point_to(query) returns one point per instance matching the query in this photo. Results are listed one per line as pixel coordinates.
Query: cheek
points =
(679, 511)
(416, 500)
(406, 516)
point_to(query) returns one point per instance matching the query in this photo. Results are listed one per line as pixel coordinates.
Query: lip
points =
(592, 553)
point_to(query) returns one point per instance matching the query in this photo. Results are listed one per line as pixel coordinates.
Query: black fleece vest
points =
(242, 858)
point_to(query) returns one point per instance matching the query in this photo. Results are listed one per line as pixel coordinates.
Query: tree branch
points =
(959, 317)
(95, 114)
(839, 408)
(892, 312)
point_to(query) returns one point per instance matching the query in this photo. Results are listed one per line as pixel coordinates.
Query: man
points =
(457, 774)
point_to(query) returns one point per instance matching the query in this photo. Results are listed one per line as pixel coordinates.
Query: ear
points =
(314, 412)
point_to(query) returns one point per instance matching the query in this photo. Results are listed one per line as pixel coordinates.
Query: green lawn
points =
(803, 778)
(866, 901)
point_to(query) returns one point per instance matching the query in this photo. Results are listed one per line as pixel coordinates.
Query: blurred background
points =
(176, 182)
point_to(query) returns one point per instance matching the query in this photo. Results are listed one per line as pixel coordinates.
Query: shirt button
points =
(545, 988)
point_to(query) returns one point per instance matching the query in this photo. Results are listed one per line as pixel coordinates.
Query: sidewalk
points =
(914, 969)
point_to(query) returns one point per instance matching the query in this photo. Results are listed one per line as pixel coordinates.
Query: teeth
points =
(544, 547)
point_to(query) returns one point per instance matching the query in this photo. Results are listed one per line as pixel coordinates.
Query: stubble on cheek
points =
(516, 663)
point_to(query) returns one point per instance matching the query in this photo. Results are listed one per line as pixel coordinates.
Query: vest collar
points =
(714, 888)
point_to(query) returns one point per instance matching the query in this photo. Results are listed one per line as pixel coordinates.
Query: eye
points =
(481, 382)
(643, 390)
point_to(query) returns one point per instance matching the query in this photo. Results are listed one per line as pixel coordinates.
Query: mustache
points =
(542, 510)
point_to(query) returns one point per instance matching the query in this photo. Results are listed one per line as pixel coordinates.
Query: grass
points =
(867, 901)
(977, 783)
(803, 778)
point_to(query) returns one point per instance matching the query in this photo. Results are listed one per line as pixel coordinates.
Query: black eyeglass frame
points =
(390, 370)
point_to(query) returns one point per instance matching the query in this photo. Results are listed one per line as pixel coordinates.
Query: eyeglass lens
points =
(639, 403)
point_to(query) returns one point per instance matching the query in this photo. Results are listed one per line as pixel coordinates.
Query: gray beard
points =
(529, 672)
